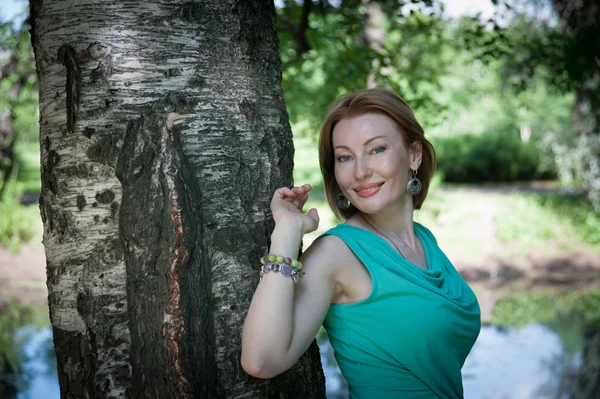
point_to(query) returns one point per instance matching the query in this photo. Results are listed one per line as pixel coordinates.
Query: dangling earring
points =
(414, 185)
(342, 201)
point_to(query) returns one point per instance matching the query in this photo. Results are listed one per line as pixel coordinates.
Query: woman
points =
(399, 316)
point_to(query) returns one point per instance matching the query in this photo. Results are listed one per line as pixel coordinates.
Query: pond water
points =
(38, 378)
(535, 360)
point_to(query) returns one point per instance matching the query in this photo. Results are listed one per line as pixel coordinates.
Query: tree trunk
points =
(164, 134)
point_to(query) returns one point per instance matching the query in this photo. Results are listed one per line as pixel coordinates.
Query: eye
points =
(343, 158)
(378, 150)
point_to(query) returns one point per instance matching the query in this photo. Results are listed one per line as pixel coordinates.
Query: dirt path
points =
(23, 275)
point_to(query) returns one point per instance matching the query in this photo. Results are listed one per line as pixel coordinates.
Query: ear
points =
(415, 152)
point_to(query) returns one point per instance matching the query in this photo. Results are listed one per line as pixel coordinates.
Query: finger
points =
(313, 213)
(314, 220)
(303, 189)
(284, 193)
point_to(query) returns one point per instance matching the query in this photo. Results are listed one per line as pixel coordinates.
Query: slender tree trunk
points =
(164, 134)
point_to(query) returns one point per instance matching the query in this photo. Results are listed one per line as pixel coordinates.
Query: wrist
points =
(285, 240)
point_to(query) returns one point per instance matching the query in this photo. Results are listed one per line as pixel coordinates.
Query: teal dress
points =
(411, 336)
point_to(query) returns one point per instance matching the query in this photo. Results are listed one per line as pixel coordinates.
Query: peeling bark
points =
(164, 134)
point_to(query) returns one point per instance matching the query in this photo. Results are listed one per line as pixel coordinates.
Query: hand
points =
(287, 205)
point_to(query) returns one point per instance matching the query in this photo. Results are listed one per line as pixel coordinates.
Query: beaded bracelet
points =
(287, 266)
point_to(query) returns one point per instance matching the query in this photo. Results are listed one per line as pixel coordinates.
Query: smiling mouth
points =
(369, 188)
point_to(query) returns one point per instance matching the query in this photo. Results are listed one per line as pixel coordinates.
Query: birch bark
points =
(164, 133)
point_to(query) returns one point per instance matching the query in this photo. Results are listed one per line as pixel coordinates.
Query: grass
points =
(533, 220)
(18, 224)
(21, 224)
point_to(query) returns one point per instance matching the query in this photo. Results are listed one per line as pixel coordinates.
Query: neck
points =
(396, 224)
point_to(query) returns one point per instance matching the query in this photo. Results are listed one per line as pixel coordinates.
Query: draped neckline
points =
(434, 272)
(420, 236)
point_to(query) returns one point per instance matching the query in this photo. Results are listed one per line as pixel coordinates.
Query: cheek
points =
(394, 166)
(338, 173)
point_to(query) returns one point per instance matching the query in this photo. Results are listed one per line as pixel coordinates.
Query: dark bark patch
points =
(49, 180)
(171, 72)
(180, 103)
(66, 56)
(105, 150)
(105, 197)
(81, 202)
(60, 222)
(77, 365)
(94, 205)
(109, 102)
(96, 218)
(195, 12)
(106, 253)
(103, 71)
(137, 153)
(80, 170)
(47, 143)
(248, 109)
(196, 81)
(225, 238)
(114, 209)
(89, 132)
(53, 160)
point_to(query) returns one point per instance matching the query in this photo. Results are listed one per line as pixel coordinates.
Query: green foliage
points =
(492, 157)
(341, 59)
(18, 96)
(16, 46)
(548, 308)
(18, 224)
(562, 50)
(27, 159)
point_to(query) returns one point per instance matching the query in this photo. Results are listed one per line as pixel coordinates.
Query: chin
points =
(369, 208)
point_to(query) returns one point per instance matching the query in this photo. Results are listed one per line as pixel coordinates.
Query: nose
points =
(362, 169)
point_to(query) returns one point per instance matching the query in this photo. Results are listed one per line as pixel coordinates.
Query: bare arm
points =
(284, 317)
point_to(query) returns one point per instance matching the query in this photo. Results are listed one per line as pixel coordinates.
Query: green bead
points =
(262, 260)
(294, 263)
(299, 266)
(272, 258)
(280, 259)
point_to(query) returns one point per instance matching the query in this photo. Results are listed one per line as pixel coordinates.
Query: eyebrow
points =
(365, 143)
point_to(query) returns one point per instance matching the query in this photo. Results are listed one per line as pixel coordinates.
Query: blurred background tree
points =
(18, 97)
(19, 139)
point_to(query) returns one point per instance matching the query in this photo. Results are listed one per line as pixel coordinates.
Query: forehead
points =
(361, 128)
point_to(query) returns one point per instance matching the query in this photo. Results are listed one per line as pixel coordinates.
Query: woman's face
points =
(372, 162)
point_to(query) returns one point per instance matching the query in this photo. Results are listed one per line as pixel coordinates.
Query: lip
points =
(366, 194)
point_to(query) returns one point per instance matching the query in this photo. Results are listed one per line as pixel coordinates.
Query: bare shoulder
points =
(328, 253)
